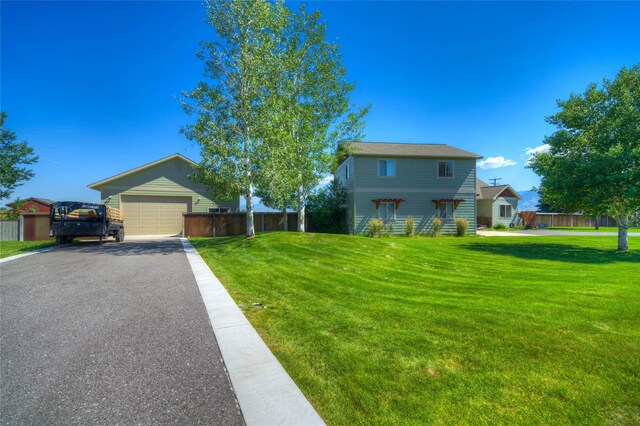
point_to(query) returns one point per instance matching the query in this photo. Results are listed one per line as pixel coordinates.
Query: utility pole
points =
(494, 181)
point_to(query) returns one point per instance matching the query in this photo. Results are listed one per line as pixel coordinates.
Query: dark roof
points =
(488, 192)
(45, 201)
(410, 150)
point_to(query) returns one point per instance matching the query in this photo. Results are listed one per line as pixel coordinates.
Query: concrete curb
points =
(18, 256)
(265, 392)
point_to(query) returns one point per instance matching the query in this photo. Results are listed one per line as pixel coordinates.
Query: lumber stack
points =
(115, 214)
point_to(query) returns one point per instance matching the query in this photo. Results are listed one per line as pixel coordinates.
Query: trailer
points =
(70, 219)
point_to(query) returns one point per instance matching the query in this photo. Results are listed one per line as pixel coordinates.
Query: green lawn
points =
(10, 248)
(589, 229)
(446, 330)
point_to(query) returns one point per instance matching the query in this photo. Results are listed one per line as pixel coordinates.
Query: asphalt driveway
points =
(109, 334)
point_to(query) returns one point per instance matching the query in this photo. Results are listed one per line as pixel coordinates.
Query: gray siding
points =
(415, 174)
(417, 205)
(417, 183)
(513, 202)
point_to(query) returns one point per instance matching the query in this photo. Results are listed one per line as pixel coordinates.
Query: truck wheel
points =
(119, 236)
(100, 239)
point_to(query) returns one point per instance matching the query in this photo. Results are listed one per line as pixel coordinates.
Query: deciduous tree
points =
(14, 157)
(593, 164)
(231, 105)
(312, 111)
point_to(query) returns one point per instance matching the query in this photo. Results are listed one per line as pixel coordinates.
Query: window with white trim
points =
(445, 211)
(347, 171)
(387, 211)
(505, 210)
(445, 169)
(386, 168)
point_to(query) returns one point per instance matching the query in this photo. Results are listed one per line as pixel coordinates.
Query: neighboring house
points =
(497, 204)
(154, 197)
(393, 181)
(34, 204)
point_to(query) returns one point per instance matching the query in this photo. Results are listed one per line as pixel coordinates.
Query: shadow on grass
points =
(555, 251)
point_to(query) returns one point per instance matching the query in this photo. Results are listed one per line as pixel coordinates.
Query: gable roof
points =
(410, 150)
(489, 192)
(44, 201)
(138, 169)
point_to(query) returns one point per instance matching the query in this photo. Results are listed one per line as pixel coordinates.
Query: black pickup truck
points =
(70, 219)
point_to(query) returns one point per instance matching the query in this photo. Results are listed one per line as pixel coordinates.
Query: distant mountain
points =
(529, 200)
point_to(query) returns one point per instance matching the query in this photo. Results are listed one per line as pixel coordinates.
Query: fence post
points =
(21, 228)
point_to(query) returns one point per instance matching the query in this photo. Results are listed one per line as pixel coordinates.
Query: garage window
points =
(219, 210)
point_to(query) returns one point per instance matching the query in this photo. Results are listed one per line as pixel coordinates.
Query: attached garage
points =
(155, 196)
(147, 215)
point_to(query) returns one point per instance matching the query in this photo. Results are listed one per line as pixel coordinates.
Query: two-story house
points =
(393, 181)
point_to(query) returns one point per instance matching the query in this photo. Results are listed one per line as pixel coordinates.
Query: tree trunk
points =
(301, 208)
(623, 241)
(251, 232)
(285, 220)
(595, 222)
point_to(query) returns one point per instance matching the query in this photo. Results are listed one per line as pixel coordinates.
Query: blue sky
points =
(94, 86)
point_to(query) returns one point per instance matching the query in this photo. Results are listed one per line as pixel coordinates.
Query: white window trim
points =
(506, 205)
(347, 172)
(394, 210)
(453, 168)
(395, 169)
(453, 211)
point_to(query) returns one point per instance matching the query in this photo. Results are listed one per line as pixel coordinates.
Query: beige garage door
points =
(145, 215)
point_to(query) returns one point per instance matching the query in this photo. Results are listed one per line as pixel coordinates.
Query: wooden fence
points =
(571, 220)
(30, 227)
(227, 224)
(35, 226)
(9, 230)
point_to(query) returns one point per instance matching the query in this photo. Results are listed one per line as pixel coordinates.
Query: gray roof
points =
(488, 192)
(410, 150)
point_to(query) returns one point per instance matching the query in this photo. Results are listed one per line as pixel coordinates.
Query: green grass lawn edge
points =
(445, 330)
(12, 248)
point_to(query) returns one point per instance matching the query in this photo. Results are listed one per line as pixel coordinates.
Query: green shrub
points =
(461, 227)
(375, 227)
(499, 227)
(410, 227)
(326, 209)
(437, 226)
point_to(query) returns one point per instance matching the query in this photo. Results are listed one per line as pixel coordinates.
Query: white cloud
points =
(495, 163)
(542, 148)
(325, 180)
